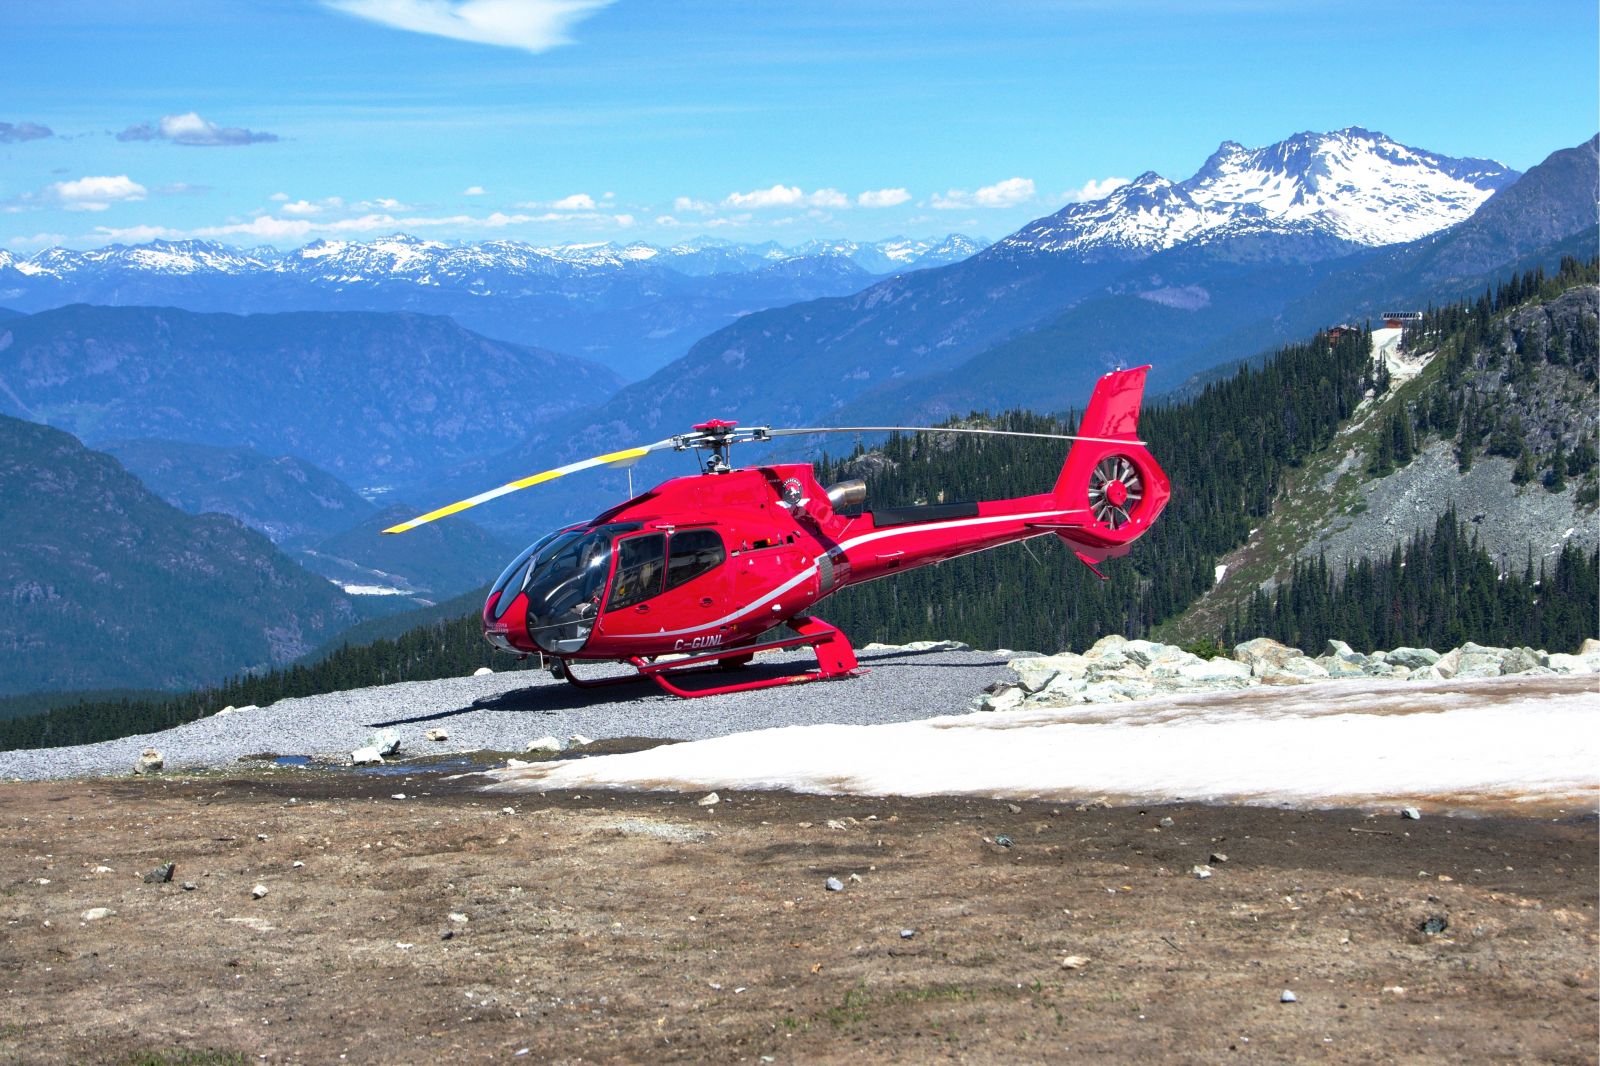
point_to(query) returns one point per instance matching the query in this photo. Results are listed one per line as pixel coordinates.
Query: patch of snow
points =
(1331, 744)
(1222, 568)
(371, 590)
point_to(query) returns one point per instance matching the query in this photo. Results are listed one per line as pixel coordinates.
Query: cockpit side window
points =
(694, 552)
(641, 562)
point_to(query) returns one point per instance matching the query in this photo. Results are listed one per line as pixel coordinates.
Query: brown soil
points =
(645, 928)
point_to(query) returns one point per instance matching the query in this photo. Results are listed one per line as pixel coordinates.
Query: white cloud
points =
(279, 197)
(301, 208)
(189, 128)
(531, 25)
(1008, 193)
(97, 193)
(784, 196)
(685, 203)
(578, 201)
(276, 228)
(136, 234)
(1093, 190)
(472, 190)
(623, 220)
(883, 198)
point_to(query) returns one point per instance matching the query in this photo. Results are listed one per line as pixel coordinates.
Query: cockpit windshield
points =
(564, 579)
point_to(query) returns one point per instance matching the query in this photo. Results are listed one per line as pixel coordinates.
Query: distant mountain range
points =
(629, 307)
(372, 398)
(1257, 247)
(103, 585)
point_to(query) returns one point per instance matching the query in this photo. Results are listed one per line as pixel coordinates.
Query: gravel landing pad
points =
(503, 712)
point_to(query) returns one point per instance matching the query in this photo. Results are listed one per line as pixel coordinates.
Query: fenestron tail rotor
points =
(1115, 489)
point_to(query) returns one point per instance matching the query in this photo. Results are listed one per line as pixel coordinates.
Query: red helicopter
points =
(698, 570)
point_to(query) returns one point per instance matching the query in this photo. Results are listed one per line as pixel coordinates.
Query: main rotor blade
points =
(946, 429)
(626, 457)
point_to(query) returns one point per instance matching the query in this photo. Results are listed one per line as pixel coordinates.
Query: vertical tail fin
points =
(1113, 479)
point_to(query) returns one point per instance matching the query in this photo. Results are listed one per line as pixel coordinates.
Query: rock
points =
(160, 875)
(189, 886)
(398, 796)
(1009, 698)
(258, 892)
(1425, 673)
(150, 762)
(297, 865)
(482, 671)
(458, 917)
(1590, 646)
(1004, 841)
(710, 799)
(367, 756)
(1287, 996)
(1295, 670)
(1520, 661)
(1202, 872)
(907, 934)
(1338, 647)
(229, 709)
(544, 744)
(436, 734)
(1434, 924)
(94, 914)
(1411, 814)
(1264, 653)
(1035, 673)
(1341, 666)
(1166, 823)
(1411, 658)
(1074, 962)
(1146, 653)
(833, 884)
(1013, 808)
(1220, 672)
(1218, 858)
(1113, 643)
(578, 740)
(1562, 663)
(387, 741)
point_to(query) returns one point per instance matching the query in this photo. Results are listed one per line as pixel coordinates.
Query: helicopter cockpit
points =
(563, 579)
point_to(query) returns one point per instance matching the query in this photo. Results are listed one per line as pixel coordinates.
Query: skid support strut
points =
(835, 658)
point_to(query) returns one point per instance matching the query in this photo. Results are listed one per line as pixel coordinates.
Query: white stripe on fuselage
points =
(841, 549)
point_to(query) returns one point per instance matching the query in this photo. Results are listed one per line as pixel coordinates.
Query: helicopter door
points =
(697, 584)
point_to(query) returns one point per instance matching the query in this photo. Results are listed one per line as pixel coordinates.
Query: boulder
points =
(1344, 666)
(1338, 647)
(1034, 674)
(1224, 672)
(1425, 673)
(544, 744)
(1411, 658)
(1106, 645)
(1295, 670)
(1521, 660)
(1145, 652)
(1590, 646)
(1005, 698)
(387, 741)
(149, 762)
(1562, 663)
(436, 734)
(367, 756)
(1264, 653)
(482, 671)
(937, 645)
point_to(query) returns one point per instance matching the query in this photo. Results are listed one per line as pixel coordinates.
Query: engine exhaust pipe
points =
(847, 493)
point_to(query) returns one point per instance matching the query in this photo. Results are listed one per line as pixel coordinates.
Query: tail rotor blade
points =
(625, 457)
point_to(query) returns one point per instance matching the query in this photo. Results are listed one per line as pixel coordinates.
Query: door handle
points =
(643, 608)
(706, 601)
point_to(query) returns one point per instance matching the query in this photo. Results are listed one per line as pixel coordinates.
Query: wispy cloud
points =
(883, 197)
(301, 227)
(96, 193)
(1011, 192)
(472, 190)
(13, 132)
(190, 129)
(531, 25)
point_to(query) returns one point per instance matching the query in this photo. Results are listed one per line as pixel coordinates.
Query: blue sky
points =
(555, 121)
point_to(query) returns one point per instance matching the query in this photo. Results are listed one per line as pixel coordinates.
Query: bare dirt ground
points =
(646, 928)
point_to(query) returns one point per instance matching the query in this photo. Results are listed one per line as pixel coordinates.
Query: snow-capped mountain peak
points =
(1353, 185)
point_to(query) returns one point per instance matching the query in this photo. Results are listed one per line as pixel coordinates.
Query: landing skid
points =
(835, 659)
